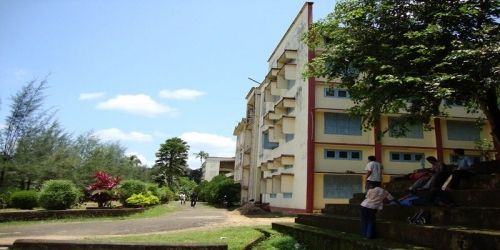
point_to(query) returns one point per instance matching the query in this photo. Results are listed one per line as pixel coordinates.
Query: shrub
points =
(141, 200)
(154, 189)
(130, 187)
(220, 186)
(166, 195)
(24, 199)
(58, 194)
(101, 191)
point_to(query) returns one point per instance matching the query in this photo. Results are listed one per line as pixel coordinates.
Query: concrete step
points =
(472, 217)
(478, 181)
(468, 197)
(317, 238)
(436, 237)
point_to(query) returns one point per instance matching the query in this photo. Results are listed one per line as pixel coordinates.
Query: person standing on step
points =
(373, 173)
(373, 202)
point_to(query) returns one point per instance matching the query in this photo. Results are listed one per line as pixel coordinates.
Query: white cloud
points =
(181, 94)
(90, 96)
(114, 134)
(214, 145)
(141, 157)
(136, 104)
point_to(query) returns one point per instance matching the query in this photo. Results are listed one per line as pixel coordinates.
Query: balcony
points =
(284, 103)
(272, 75)
(285, 159)
(270, 117)
(288, 56)
(287, 124)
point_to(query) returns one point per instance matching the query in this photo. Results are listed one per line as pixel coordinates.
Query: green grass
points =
(235, 237)
(149, 213)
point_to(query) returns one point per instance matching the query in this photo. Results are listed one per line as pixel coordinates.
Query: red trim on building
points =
(439, 139)
(310, 125)
(288, 210)
(378, 144)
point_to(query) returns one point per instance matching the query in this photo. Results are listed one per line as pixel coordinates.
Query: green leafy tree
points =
(171, 161)
(409, 56)
(25, 114)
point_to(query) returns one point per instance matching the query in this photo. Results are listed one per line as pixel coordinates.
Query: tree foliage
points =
(409, 56)
(171, 161)
(220, 186)
(101, 191)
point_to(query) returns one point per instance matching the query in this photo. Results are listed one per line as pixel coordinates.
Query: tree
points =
(101, 190)
(409, 56)
(196, 175)
(171, 160)
(202, 155)
(25, 112)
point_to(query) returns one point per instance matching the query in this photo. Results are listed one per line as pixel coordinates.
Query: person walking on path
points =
(373, 173)
(194, 199)
(182, 197)
(373, 202)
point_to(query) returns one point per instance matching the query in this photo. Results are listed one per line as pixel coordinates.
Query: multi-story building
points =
(298, 148)
(214, 166)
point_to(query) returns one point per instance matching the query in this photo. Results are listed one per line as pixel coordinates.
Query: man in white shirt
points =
(373, 173)
(369, 207)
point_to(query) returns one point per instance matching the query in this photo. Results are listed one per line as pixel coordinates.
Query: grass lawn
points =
(235, 237)
(149, 213)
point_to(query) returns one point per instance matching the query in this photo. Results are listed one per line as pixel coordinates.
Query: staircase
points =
(473, 224)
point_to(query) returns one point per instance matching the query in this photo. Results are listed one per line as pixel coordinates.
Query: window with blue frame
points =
(337, 93)
(335, 154)
(407, 157)
(462, 131)
(290, 84)
(289, 137)
(415, 131)
(272, 195)
(266, 144)
(341, 186)
(342, 124)
(287, 195)
(475, 158)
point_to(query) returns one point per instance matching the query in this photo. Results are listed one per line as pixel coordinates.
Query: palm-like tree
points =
(202, 155)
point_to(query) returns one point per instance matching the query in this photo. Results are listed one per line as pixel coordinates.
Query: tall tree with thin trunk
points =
(202, 155)
(25, 111)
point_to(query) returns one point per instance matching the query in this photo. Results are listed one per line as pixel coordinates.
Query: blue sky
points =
(140, 72)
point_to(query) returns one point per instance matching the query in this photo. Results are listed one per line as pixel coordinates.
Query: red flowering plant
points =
(102, 190)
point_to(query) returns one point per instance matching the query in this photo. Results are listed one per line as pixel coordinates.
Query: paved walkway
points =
(186, 217)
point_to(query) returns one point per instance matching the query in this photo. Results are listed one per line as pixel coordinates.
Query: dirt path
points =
(186, 218)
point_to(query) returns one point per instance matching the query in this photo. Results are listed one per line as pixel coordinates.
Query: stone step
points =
(479, 181)
(472, 217)
(436, 237)
(318, 238)
(468, 197)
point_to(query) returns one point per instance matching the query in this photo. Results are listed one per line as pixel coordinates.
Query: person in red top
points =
(369, 207)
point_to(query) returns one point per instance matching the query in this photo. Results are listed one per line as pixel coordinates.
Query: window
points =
(338, 93)
(290, 84)
(272, 195)
(289, 110)
(287, 195)
(266, 144)
(342, 124)
(475, 158)
(407, 157)
(341, 186)
(273, 170)
(462, 131)
(287, 166)
(342, 154)
(289, 137)
(414, 130)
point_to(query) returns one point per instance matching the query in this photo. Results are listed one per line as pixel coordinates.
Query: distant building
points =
(214, 166)
(299, 149)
